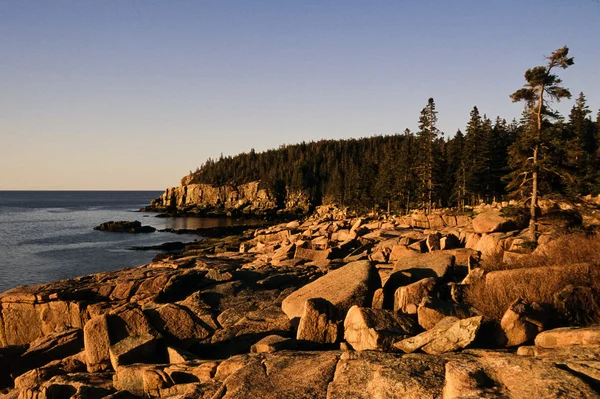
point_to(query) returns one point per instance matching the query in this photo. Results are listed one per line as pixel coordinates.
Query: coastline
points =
(227, 318)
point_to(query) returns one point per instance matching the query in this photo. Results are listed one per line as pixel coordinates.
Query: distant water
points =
(48, 235)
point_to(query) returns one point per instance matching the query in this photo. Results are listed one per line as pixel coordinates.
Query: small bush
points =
(573, 294)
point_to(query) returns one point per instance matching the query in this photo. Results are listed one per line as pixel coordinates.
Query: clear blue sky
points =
(135, 94)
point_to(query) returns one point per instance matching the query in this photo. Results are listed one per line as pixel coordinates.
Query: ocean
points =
(48, 235)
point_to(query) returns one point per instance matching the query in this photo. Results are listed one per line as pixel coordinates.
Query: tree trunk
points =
(534, 198)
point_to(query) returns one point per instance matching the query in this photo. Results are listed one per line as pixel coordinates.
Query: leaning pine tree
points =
(542, 86)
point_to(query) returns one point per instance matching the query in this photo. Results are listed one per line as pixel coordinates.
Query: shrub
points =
(572, 293)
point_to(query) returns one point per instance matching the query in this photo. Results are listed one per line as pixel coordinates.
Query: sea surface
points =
(48, 235)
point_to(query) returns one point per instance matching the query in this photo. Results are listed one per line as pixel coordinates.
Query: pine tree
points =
(582, 145)
(458, 170)
(427, 134)
(542, 86)
(405, 170)
(499, 142)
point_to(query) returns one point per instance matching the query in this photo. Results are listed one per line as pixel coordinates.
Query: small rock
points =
(272, 343)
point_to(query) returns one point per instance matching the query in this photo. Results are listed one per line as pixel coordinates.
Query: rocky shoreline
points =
(330, 307)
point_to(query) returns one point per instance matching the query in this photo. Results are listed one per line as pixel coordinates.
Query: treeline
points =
(486, 162)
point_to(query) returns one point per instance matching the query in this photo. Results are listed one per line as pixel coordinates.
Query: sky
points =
(132, 95)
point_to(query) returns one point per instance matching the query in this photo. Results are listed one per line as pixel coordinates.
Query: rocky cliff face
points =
(246, 198)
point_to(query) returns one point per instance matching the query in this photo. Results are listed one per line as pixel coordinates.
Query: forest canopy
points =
(424, 169)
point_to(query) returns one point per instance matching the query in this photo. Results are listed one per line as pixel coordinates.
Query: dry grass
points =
(566, 280)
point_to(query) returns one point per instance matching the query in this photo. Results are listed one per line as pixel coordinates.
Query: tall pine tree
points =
(427, 135)
(541, 86)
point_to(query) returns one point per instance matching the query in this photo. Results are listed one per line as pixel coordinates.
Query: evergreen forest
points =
(490, 160)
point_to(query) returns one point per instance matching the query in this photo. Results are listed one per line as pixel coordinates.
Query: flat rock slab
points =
(352, 284)
(568, 336)
(431, 264)
(411, 344)
(367, 375)
(458, 336)
(51, 347)
(293, 375)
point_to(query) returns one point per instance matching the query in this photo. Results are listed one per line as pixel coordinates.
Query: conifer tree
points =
(458, 170)
(542, 86)
(405, 170)
(582, 145)
(427, 134)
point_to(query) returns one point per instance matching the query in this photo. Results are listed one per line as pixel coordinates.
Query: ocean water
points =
(48, 235)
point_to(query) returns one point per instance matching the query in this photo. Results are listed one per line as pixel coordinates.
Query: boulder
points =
(450, 241)
(433, 242)
(466, 378)
(458, 336)
(398, 251)
(568, 336)
(177, 322)
(134, 349)
(97, 344)
(297, 375)
(390, 286)
(312, 254)
(432, 310)
(491, 221)
(74, 385)
(51, 347)
(352, 284)
(367, 375)
(490, 245)
(376, 329)
(408, 298)
(36, 377)
(411, 344)
(272, 343)
(432, 264)
(318, 323)
(519, 377)
(522, 322)
(128, 321)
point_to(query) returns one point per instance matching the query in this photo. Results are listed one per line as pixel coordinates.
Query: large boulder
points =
(491, 221)
(352, 284)
(376, 329)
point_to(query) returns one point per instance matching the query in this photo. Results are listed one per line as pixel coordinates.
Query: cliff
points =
(229, 199)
